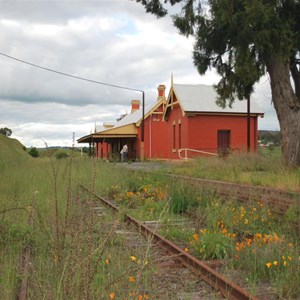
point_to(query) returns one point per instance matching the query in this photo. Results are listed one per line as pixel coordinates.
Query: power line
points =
(92, 81)
(69, 75)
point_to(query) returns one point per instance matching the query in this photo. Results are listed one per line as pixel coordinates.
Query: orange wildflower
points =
(258, 235)
(131, 279)
(112, 296)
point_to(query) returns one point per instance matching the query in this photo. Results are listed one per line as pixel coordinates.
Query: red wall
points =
(156, 141)
(197, 132)
(102, 150)
(201, 132)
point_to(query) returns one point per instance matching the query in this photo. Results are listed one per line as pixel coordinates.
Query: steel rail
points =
(275, 197)
(228, 289)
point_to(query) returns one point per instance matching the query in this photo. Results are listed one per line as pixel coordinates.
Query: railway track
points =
(276, 198)
(174, 258)
(279, 199)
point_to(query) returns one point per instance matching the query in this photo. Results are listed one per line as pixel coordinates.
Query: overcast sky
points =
(111, 41)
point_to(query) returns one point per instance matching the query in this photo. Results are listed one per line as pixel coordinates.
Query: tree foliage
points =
(5, 131)
(243, 40)
(33, 152)
(238, 38)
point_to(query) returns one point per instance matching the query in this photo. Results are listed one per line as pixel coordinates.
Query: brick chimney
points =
(135, 105)
(161, 92)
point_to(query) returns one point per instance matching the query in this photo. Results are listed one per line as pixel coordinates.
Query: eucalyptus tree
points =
(244, 40)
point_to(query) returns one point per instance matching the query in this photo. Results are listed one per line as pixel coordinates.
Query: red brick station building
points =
(185, 124)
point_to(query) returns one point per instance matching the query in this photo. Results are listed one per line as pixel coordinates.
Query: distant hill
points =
(269, 136)
(12, 151)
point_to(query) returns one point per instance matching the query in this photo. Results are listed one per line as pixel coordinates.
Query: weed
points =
(182, 198)
(212, 244)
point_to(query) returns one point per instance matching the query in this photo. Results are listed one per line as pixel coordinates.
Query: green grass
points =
(249, 236)
(12, 152)
(69, 243)
(264, 168)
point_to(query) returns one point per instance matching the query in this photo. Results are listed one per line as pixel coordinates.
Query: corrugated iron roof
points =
(202, 98)
(132, 118)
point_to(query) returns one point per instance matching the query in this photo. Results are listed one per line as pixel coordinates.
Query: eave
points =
(152, 111)
(211, 113)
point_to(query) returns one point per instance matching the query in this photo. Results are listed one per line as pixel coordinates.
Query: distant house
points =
(187, 123)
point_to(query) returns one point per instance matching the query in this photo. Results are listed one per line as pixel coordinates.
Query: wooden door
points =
(223, 142)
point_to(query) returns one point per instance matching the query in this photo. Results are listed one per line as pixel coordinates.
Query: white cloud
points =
(108, 41)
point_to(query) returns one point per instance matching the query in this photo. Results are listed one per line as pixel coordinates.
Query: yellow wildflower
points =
(268, 264)
(107, 261)
(186, 249)
(133, 258)
(284, 263)
(275, 263)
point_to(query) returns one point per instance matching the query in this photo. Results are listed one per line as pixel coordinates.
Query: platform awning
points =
(127, 131)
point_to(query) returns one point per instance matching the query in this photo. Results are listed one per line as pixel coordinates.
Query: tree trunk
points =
(287, 107)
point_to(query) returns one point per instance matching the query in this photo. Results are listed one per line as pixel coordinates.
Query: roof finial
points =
(95, 130)
(171, 79)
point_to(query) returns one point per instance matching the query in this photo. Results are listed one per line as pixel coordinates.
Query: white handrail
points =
(193, 150)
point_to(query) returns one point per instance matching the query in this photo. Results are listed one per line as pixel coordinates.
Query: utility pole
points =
(248, 124)
(143, 129)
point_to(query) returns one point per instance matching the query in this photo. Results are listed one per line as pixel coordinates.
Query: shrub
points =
(33, 152)
(61, 154)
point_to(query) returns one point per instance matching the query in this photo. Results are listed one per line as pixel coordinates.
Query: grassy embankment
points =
(264, 168)
(73, 254)
(72, 259)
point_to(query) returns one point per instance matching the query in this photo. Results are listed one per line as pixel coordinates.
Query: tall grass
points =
(262, 168)
(75, 254)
